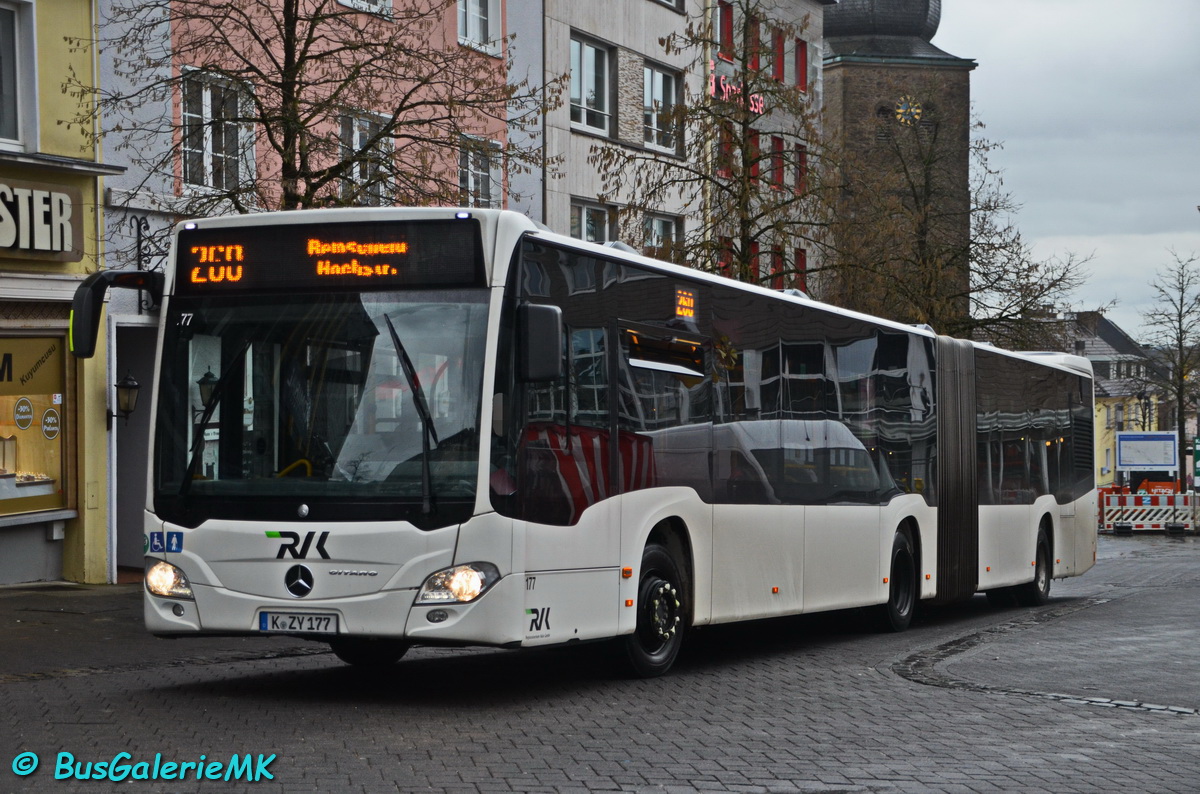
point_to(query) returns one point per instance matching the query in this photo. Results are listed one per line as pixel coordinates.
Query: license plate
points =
(297, 622)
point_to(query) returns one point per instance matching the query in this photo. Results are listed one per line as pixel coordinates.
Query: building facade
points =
(202, 149)
(53, 408)
(640, 75)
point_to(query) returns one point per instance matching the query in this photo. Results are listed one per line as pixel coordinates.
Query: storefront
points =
(53, 408)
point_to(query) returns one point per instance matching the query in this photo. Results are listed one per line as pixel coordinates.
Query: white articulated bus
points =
(385, 427)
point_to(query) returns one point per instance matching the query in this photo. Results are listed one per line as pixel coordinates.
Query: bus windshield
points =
(359, 406)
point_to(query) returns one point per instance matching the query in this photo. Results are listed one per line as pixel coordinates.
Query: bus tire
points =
(897, 613)
(1037, 592)
(662, 610)
(368, 653)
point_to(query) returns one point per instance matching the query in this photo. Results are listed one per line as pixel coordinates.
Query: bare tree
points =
(247, 105)
(1171, 334)
(741, 142)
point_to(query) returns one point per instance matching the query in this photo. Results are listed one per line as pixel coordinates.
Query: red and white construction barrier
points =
(1128, 513)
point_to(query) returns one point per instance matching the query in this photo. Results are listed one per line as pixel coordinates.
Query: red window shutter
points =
(755, 154)
(776, 161)
(755, 268)
(752, 43)
(801, 277)
(802, 64)
(725, 29)
(801, 168)
(776, 268)
(777, 61)
(725, 151)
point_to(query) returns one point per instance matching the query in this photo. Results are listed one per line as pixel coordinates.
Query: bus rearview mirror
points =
(541, 342)
(89, 301)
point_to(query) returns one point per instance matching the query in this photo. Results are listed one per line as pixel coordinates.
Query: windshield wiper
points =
(198, 427)
(427, 429)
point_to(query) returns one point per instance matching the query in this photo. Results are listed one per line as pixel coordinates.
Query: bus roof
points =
(502, 230)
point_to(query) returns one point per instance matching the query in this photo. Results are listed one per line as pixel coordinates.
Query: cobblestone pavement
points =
(1090, 693)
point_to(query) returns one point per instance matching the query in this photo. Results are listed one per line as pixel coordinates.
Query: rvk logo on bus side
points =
(539, 621)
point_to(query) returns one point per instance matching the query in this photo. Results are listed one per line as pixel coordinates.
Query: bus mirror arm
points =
(89, 302)
(541, 342)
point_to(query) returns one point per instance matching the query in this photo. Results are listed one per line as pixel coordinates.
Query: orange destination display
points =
(354, 256)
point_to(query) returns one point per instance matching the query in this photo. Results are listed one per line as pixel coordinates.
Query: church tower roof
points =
(892, 30)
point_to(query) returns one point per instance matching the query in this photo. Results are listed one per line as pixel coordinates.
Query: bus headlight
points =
(459, 584)
(164, 579)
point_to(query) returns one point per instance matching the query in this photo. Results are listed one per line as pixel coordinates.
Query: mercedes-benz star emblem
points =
(298, 581)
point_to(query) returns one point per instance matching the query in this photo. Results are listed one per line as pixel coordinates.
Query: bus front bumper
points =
(494, 618)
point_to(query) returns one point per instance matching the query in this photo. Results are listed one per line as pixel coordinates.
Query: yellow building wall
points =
(85, 551)
(1106, 432)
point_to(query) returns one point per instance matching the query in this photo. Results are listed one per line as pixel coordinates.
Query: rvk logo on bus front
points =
(293, 546)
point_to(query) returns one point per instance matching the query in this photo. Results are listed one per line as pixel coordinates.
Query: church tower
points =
(898, 118)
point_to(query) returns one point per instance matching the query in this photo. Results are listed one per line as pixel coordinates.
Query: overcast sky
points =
(1097, 105)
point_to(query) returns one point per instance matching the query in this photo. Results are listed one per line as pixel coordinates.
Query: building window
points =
(383, 7)
(725, 256)
(590, 101)
(801, 168)
(725, 30)
(777, 164)
(754, 43)
(800, 279)
(215, 140)
(659, 98)
(366, 182)
(755, 154)
(10, 111)
(724, 154)
(661, 233)
(801, 64)
(18, 77)
(590, 222)
(778, 58)
(479, 24)
(777, 279)
(34, 411)
(479, 177)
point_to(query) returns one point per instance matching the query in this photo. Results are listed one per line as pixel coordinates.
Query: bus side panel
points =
(1007, 540)
(1076, 546)
(640, 512)
(562, 606)
(756, 549)
(591, 542)
(841, 556)
(913, 510)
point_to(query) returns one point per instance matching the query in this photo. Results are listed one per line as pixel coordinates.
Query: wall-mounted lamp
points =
(127, 397)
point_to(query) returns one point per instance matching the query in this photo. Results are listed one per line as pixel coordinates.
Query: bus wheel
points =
(897, 613)
(661, 615)
(368, 653)
(1037, 592)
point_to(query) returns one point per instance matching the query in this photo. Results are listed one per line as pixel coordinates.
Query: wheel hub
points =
(664, 610)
